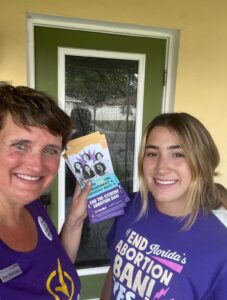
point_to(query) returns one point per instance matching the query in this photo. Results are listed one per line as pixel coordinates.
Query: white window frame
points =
(141, 58)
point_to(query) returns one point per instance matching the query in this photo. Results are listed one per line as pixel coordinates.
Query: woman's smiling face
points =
(166, 171)
(29, 160)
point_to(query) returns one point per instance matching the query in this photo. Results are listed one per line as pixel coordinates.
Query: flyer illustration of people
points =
(88, 158)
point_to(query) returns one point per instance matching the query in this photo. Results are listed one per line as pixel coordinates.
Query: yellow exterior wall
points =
(202, 67)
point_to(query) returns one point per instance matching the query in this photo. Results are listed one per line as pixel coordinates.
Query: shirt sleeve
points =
(220, 289)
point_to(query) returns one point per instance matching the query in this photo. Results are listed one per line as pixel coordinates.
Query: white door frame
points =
(172, 44)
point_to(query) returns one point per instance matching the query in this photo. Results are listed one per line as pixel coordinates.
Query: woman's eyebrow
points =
(151, 147)
(18, 140)
(54, 146)
(174, 147)
(157, 147)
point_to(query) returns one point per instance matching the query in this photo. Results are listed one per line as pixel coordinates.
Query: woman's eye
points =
(52, 151)
(151, 154)
(19, 146)
(178, 155)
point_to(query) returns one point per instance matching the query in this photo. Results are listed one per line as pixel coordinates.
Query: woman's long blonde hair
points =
(203, 158)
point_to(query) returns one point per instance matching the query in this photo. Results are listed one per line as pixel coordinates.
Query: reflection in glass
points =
(100, 95)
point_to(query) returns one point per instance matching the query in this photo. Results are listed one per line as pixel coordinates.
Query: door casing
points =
(172, 44)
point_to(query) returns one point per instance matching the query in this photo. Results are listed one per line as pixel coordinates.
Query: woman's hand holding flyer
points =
(88, 158)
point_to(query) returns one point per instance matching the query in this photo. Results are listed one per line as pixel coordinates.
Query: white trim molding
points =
(172, 44)
(171, 36)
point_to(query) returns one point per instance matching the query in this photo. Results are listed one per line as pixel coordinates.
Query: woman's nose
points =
(35, 161)
(162, 163)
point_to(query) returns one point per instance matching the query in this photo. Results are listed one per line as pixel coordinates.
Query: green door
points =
(47, 41)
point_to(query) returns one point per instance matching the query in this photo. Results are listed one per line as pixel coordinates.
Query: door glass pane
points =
(101, 95)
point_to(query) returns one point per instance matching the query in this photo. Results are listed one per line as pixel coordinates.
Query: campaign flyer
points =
(88, 158)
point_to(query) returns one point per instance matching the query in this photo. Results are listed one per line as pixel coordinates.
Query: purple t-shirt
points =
(154, 258)
(42, 274)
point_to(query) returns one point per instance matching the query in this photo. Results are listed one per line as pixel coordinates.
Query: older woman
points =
(34, 263)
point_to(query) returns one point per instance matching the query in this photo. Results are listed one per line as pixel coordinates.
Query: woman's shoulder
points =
(221, 214)
(212, 221)
(208, 229)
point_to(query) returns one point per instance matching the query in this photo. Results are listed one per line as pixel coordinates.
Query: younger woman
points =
(169, 244)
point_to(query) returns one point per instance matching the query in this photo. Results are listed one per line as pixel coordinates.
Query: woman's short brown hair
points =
(29, 107)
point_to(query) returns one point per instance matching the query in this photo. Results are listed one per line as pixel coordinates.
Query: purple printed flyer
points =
(88, 158)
